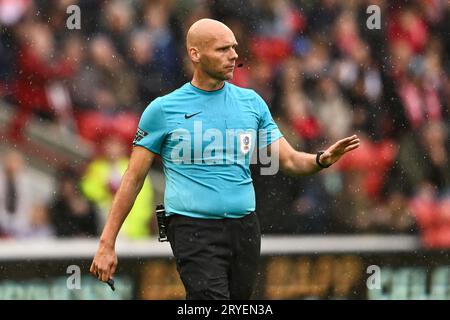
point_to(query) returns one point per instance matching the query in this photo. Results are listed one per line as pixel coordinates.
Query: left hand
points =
(337, 150)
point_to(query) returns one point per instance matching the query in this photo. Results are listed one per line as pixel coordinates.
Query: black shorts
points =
(216, 258)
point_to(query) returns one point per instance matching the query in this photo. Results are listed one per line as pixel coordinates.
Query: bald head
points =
(211, 46)
(205, 31)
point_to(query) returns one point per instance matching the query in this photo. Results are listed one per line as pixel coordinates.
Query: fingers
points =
(351, 147)
(99, 274)
(102, 274)
(104, 264)
(351, 143)
(113, 269)
(347, 142)
(344, 143)
(93, 268)
(350, 140)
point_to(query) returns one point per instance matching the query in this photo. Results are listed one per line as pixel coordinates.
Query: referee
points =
(205, 132)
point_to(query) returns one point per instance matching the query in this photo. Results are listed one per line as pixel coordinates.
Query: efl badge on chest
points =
(245, 140)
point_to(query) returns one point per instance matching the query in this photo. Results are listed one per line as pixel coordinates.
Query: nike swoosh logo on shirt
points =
(186, 116)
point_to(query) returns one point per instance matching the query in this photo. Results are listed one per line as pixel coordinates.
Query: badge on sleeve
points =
(139, 135)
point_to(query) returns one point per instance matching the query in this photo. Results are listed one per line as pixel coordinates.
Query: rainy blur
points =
(70, 102)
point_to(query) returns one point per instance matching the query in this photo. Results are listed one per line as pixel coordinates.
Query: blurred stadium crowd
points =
(323, 73)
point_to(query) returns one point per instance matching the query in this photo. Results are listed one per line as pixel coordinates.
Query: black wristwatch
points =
(318, 160)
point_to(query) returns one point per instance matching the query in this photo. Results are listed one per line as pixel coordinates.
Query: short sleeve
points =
(152, 128)
(268, 131)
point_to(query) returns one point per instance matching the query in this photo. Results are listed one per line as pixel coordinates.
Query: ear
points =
(194, 54)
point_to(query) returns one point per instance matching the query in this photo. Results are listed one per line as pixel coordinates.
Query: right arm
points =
(105, 260)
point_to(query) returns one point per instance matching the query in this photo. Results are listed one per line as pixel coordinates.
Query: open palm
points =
(337, 150)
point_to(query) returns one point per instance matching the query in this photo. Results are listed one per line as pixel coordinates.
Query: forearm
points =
(121, 206)
(300, 164)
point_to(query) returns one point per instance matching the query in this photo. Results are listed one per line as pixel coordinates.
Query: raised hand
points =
(337, 150)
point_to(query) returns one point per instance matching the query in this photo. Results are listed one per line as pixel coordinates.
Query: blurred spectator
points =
(312, 210)
(148, 74)
(106, 93)
(423, 156)
(433, 216)
(72, 215)
(102, 180)
(39, 89)
(7, 66)
(332, 111)
(118, 19)
(324, 14)
(407, 26)
(295, 105)
(17, 202)
(108, 70)
(157, 16)
(371, 165)
(444, 29)
(41, 225)
(12, 10)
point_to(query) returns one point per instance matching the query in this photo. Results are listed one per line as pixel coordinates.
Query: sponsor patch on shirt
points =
(139, 135)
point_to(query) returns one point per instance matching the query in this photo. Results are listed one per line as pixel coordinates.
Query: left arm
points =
(301, 163)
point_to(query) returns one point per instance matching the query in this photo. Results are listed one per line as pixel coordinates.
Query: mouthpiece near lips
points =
(240, 65)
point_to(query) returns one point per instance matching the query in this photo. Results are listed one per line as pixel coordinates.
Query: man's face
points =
(218, 56)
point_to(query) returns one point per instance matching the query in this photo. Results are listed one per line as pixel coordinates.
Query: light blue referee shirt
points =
(206, 140)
